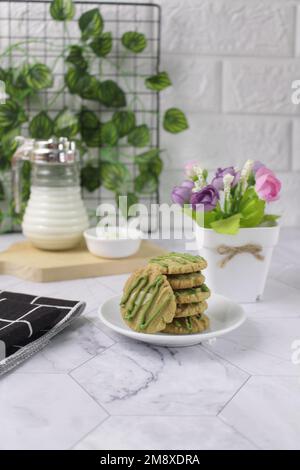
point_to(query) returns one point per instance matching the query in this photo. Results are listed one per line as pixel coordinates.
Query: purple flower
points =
(181, 194)
(208, 196)
(217, 181)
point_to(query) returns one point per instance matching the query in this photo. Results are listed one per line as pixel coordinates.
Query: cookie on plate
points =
(186, 281)
(148, 303)
(188, 310)
(188, 325)
(178, 263)
(195, 294)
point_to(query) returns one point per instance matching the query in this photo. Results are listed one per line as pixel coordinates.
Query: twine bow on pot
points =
(232, 251)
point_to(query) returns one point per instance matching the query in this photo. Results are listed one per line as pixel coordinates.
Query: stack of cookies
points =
(168, 295)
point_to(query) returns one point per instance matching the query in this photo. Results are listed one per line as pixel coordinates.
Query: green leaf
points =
(134, 41)
(109, 154)
(88, 119)
(111, 95)
(41, 126)
(38, 77)
(2, 191)
(66, 124)
(109, 133)
(102, 45)
(8, 141)
(229, 226)
(76, 57)
(90, 128)
(175, 121)
(139, 136)
(269, 220)
(149, 161)
(62, 10)
(90, 177)
(125, 122)
(82, 84)
(132, 199)
(11, 115)
(91, 24)
(115, 177)
(252, 209)
(158, 82)
(145, 183)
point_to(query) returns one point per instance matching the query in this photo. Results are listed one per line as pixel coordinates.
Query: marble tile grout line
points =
(234, 395)
(238, 432)
(202, 346)
(89, 432)
(90, 396)
(90, 358)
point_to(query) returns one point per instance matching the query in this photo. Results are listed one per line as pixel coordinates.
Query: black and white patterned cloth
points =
(28, 322)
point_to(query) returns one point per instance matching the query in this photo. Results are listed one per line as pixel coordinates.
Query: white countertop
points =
(93, 389)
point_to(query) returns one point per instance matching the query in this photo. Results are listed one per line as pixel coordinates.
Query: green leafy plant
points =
(106, 145)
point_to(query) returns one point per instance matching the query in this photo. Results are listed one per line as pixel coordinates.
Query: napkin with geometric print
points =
(28, 322)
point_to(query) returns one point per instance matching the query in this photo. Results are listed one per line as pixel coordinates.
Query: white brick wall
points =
(232, 64)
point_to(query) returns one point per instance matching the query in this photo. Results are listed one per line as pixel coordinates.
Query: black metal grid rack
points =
(29, 23)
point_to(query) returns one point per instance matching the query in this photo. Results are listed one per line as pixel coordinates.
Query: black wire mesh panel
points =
(40, 39)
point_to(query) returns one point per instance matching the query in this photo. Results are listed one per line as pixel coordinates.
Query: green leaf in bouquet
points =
(145, 183)
(252, 209)
(66, 124)
(90, 177)
(76, 57)
(175, 121)
(102, 45)
(150, 161)
(269, 220)
(109, 133)
(62, 10)
(11, 115)
(134, 41)
(229, 226)
(41, 126)
(158, 82)
(132, 199)
(91, 24)
(115, 177)
(139, 136)
(125, 122)
(38, 76)
(111, 95)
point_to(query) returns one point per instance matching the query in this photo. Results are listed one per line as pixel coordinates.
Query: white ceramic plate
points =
(224, 314)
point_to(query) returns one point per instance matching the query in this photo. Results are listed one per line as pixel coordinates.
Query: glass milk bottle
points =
(55, 216)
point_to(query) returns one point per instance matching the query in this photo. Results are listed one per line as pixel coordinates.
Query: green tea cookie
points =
(188, 310)
(188, 325)
(186, 281)
(148, 301)
(196, 294)
(178, 263)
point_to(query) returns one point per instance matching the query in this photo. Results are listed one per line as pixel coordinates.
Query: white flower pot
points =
(243, 276)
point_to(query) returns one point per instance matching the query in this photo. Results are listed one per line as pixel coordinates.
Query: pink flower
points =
(189, 169)
(267, 185)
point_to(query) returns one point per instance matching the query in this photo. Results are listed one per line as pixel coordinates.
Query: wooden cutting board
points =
(27, 262)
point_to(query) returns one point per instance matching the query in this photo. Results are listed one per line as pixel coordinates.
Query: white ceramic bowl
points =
(105, 244)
